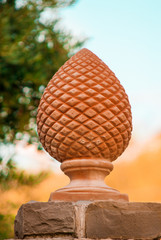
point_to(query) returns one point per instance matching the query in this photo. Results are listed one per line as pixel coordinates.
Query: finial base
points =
(87, 181)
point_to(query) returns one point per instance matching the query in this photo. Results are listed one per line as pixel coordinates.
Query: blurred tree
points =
(32, 48)
(6, 226)
(11, 176)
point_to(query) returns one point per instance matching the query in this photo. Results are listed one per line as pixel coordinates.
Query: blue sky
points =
(126, 35)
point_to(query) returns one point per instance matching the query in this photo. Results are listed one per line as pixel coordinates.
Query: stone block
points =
(88, 220)
(120, 220)
(45, 219)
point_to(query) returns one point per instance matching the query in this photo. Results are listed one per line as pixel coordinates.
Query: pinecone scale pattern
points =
(84, 111)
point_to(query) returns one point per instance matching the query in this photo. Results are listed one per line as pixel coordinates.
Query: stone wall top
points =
(89, 220)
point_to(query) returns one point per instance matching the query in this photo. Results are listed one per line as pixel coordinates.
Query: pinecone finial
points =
(84, 119)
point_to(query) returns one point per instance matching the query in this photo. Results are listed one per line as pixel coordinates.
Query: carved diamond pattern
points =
(84, 111)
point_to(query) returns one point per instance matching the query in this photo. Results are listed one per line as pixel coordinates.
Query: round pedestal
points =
(87, 181)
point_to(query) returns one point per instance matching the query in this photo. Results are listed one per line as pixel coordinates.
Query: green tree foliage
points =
(6, 226)
(31, 50)
(11, 177)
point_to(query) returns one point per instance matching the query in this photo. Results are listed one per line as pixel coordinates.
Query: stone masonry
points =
(88, 220)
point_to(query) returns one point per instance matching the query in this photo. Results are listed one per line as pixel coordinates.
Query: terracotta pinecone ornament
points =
(84, 121)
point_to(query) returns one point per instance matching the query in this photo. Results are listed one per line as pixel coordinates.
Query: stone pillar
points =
(88, 220)
(84, 121)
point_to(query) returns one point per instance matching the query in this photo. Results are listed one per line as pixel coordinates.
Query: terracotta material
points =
(84, 121)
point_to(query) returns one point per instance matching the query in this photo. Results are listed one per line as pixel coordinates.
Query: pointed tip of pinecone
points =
(86, 51)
